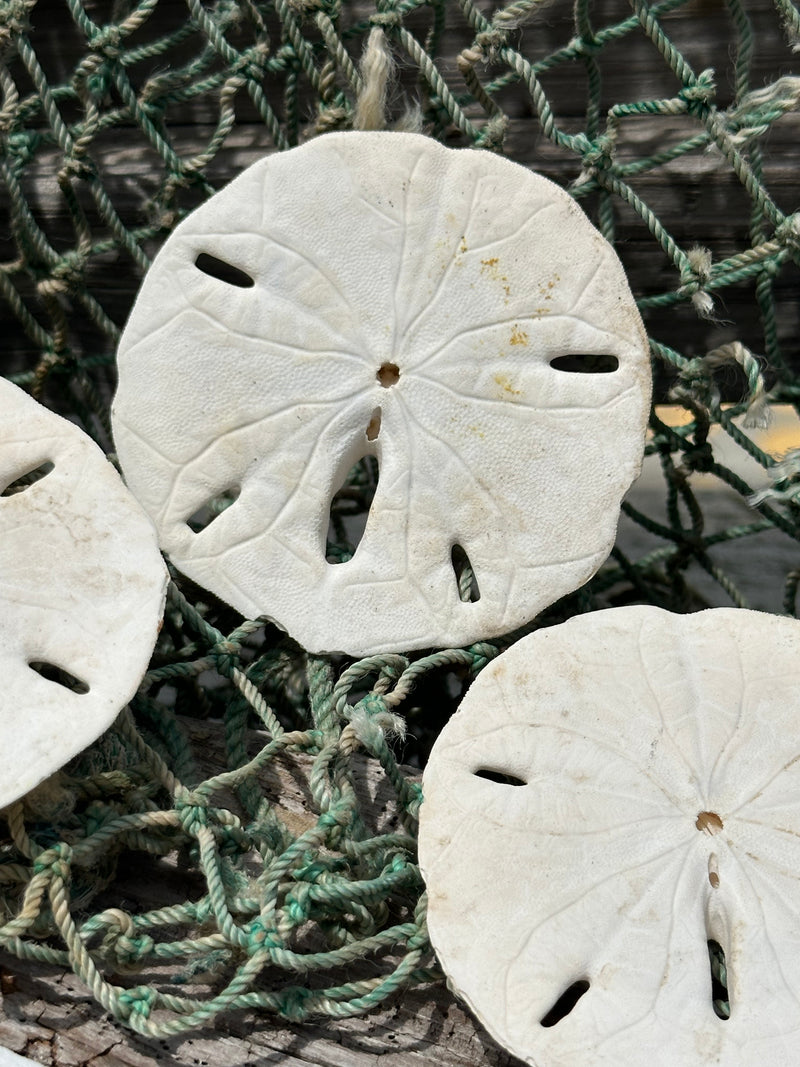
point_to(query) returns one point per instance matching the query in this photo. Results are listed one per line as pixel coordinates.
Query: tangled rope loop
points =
(701, 94)
(336, 867)
(14, 20)
(788, 234)
(107, 41)
(137, 1002)
(56, 862)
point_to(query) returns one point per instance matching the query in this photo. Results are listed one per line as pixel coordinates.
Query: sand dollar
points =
(446, 311)
(613, 794)
(82, 587)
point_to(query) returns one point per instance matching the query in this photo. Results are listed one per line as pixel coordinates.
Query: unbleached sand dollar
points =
(660, 756)
(82, 588)
(446, 311)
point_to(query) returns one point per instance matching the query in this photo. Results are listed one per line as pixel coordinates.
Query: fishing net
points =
(117, 119)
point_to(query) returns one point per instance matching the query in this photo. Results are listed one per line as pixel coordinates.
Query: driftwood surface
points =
(48, 1014)
(53, 1020)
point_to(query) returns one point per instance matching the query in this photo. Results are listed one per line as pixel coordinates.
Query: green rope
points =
(272, 73)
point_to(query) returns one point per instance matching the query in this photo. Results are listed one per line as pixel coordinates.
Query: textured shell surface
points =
(614, 793)
(446, 311)
(82, 588)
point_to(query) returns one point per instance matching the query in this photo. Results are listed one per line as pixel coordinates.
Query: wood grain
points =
(54, 1021)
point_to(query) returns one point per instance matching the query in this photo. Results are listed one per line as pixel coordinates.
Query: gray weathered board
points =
(53, 1020)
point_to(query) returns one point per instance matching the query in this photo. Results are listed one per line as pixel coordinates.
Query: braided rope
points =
(324, 913)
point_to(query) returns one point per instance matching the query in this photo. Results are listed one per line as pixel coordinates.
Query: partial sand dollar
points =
(613, 794)
(446, 311)
(82, 587)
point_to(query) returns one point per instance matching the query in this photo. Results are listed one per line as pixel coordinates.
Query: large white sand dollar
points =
(82, 587)
(661, 756)
(399, 299)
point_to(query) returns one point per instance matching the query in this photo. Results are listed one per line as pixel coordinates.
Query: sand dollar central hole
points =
(388, 374)
(709, 822)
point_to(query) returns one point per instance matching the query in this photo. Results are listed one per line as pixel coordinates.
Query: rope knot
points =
(386, 19)
(372, 722)
(697, 269)
(261, 937)
(415, 799)
(128, 951)
(293, 1003)
(297, 905)
(335, 117)
(702, 93)
(493, 134)
(14, 19)
(138, 1001)
(770, 267)
(491, 41)
(77, 167)
(788, 233)
(695, 275)
(585, 46)
(55, 861)
(696, 385)
(192, 812)
(108, 40)
(250, 64)
(596, 153)
(226, 653)
(698, 458)
(22, 144)
(98, 83)
(68, 273)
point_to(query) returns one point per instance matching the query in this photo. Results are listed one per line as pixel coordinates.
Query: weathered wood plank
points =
(55, 1022)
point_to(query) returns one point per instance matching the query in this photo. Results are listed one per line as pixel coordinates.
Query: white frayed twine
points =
(411, 121)
(515, 15)
(699, 260)
(371, 730)
(786, 470)
(376, 68)
(759, 413)
(756, 112)
(703, 304)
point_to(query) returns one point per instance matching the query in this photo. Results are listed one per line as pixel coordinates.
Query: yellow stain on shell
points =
(508, 390)
(490, 269)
